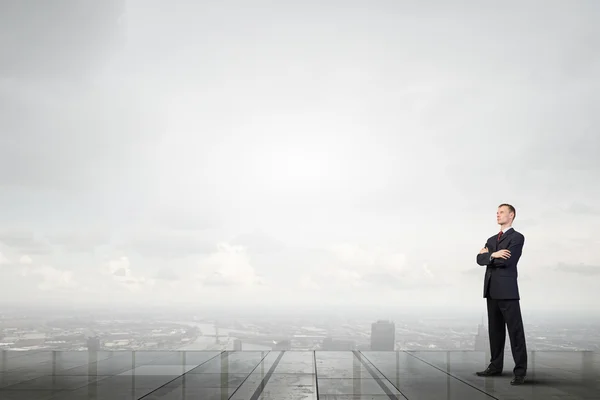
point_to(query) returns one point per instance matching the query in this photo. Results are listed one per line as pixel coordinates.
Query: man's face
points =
(503, 215)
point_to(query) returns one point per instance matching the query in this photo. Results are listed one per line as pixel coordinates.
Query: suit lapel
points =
(493, 245)
(504, 236)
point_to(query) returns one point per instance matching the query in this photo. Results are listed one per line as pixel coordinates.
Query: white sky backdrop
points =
(296, 153)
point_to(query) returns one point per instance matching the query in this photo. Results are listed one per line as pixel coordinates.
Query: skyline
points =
(318, 155)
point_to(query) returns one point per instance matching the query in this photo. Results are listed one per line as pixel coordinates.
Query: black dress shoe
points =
(489, 371)
(518, 380)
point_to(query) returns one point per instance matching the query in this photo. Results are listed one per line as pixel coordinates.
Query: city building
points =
(482, 339)
(93, 343)
(237, 345)
(338, 344)
(383, 336)
(283, 345)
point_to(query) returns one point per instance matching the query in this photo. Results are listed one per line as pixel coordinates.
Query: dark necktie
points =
(499, 235)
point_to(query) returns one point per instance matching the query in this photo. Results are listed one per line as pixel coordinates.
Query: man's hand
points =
(505, 254)
(484, 250)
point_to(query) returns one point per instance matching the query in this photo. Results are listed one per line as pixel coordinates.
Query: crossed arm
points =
(514, 253)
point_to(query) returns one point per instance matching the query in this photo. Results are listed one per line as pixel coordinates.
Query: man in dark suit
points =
(500, 256)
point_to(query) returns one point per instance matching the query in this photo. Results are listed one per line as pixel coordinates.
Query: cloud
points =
(3, 259)
(353, 267)
(166, 245)
(50, 278)
(417, 277)
(478, 274)
(119, 270)
(112, 281)
(309, 283)
(69, 132)
(167, 274)
(226, 271)
(222, 277)
(25, 260)
(56, 60)
(228, 266)
(34, 38)
(119, 267)
(80, 241)
(25, 242)
(528, 222)
(368, 258)
(27, 280)
(186, 219)
(475, 271)
(258, 242)
(228, 142)
(581, 209)
(580, 269)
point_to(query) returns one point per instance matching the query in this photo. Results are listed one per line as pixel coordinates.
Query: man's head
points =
(506, 214)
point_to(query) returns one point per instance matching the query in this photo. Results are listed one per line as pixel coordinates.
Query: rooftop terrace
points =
(290, 375)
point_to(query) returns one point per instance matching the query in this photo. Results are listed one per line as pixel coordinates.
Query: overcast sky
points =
(296, 152)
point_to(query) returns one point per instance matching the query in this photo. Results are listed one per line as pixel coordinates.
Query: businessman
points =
(500, 255)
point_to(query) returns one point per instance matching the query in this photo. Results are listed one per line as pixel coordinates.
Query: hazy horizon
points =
(296, 156)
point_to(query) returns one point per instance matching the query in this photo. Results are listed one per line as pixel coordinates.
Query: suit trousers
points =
(504, 314)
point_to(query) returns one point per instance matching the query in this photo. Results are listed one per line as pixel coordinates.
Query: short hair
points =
(510, 209)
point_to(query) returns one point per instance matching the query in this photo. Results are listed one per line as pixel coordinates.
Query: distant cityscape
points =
(22, 332)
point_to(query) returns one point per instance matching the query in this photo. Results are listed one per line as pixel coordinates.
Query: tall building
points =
(237, 345)
(482, 339)
(383, 336)
(93, 343)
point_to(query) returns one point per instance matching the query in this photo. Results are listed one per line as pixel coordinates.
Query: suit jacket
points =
(501, 275)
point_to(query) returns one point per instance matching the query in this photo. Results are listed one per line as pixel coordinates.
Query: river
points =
(209, 342)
